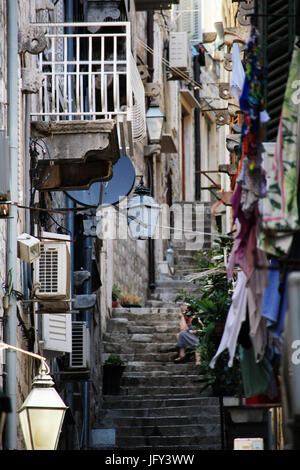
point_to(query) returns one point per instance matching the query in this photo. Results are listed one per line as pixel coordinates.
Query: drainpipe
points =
(197, 133)
(10, 441)
(87, 319)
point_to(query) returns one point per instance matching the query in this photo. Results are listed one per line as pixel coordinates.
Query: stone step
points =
(162, 373)
(160, 412)
(118, 326)
(159, 358)
(144, 334)
(202, 443)
(143, 310)
(156, 302)
(162, 358)
(148, 315)
(162, 401)
(209, 417)
(143, 337)
(194, 390)
(165, 381)
(170, 368)
(190, 430)
(135, 347)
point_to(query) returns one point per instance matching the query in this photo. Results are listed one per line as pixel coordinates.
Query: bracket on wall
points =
(204, 172)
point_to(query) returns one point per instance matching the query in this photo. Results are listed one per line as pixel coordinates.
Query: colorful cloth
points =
(280, 207)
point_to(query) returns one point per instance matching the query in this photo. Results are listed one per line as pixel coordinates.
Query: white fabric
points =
(238, 74)
(235, 317)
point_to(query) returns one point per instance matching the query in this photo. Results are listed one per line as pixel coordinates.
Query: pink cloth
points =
(244, 248)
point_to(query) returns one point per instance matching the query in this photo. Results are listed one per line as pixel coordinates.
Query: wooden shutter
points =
(57, 332)
(278, 32)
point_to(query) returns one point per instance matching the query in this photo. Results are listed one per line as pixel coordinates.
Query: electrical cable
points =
(178, 71)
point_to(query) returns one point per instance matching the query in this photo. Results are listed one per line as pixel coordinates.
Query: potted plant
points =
(113, 369)
(115, 294)
(130, 299)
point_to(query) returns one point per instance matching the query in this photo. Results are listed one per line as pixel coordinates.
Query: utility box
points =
(179, 51)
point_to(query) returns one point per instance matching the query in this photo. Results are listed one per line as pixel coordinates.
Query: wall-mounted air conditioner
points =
(80, 354)
(51, 276)
(56, 337)
(179, 54)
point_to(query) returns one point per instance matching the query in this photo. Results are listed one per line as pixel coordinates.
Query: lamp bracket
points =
(152, 150)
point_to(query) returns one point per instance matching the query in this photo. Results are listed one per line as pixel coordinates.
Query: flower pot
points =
(112, 376)
(114, 304)
(131, 305)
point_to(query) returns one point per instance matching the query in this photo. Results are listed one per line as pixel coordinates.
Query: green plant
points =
(210, 307)
(114, 360)
(115, 293)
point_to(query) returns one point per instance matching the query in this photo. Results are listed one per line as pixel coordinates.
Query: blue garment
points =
(275, 303)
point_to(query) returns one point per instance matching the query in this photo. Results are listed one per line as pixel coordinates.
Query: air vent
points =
(48, 270)
(80, 356)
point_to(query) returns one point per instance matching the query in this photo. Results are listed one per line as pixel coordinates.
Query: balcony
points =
(92, 102)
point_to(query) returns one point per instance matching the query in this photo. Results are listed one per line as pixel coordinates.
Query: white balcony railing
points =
(91, 76)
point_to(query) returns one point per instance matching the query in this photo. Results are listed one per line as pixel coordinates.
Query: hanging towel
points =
(236, 316)
(238, 74)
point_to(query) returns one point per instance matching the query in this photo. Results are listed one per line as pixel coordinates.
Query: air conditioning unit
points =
(80, 355)
(28, 248)
(51, 277)
(56, 337)
(179, 51)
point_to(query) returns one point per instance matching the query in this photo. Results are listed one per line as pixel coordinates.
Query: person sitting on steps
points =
(187, 338)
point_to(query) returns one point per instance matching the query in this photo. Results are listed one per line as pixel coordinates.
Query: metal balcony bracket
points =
(205, 173)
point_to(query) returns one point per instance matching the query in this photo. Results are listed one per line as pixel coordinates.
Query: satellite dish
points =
(111, 191)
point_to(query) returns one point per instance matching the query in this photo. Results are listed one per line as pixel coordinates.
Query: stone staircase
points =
(161, 404)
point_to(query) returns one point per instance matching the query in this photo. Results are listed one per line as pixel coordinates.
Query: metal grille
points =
(48, 270)
(79, 345)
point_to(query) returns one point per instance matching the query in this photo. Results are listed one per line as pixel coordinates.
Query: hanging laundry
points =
(245, 299)
(281, 215)
(237, 77)
(256, 376)
(251, 181)
(275, 300)
(236, 316)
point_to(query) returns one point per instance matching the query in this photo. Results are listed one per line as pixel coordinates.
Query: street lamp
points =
(142, 213)
(154, 121)
(42, 413)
